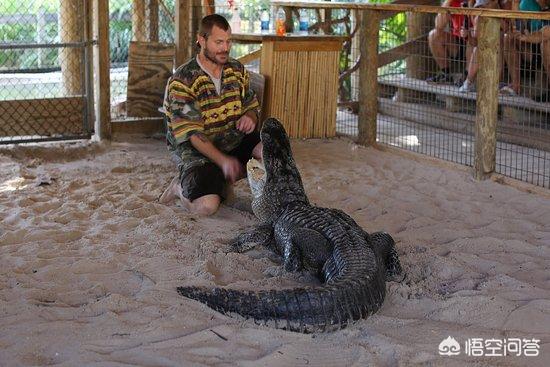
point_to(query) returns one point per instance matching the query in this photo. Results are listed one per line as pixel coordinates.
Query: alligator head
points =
(276, 183)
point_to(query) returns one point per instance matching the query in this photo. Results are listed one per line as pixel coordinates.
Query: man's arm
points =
(230, 166)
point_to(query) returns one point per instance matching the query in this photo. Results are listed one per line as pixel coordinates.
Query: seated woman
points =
(522, 44)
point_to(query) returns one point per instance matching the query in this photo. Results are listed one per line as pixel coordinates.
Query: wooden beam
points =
(102, 67)
(139, 30)
(332, 45)
(254, 55)
(209, 7)
(153, 20)
(415, 7)
(487, 98)
(182, 31)
(196, 16)
(409, 48)
(165, 10)
(368, 76)
(71, 18)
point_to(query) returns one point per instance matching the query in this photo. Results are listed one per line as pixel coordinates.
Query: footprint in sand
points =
(46, 207)
(121, 169)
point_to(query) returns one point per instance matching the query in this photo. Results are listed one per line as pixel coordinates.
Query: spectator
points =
(522, 45)
(448, 44)
(471, 35)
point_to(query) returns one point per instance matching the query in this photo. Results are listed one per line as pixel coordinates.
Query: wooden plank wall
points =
(44, 117)
(302, 86)
(149, 67)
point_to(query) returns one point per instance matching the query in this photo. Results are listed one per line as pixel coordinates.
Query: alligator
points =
(352, 265)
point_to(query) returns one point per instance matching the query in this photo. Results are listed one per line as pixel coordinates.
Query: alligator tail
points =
(316, 309)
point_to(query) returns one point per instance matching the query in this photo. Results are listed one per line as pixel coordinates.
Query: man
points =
(445, 44)
(211, 121)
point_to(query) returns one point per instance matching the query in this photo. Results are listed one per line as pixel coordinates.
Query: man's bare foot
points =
(172, 192)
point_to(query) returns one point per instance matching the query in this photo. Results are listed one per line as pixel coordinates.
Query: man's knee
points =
(206, 205)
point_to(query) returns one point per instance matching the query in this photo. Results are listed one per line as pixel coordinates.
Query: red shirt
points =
(457, 20)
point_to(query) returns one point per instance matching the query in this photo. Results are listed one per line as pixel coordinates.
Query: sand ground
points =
(89, 261)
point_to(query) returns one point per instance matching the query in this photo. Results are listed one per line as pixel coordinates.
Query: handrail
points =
(492, 13)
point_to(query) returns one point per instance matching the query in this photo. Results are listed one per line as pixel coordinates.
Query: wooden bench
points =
(513, 108)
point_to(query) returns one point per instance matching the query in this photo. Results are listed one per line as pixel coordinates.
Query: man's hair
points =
(209, 21)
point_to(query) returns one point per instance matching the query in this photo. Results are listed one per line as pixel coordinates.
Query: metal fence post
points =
(487, 97)
(369, 24)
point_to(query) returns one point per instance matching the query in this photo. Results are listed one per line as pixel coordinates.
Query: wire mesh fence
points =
(44, 78)
(428, 65)
(427, 72)
(422, 107)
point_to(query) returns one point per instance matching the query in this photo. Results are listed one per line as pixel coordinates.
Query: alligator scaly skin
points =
(352, 264)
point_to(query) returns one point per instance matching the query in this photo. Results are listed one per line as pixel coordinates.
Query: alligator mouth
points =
(256, 177)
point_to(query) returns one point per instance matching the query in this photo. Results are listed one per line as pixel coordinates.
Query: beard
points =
(213, 56)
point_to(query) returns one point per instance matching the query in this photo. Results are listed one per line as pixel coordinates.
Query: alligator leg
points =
(302, 248)
(259, 235)
(385, 244)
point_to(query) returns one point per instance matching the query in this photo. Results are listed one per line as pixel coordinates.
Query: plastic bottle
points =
(264, 21)
(304, 22)
(235, 21)
(280, 28)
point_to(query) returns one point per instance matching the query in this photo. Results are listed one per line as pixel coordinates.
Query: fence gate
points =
(45, 71)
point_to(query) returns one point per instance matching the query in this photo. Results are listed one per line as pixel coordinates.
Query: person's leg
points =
(204, 205)
(512, 60)
(200, 190)
(442, 44)
(172, 192)
(473, 66)
(545, 52)
(468, 85)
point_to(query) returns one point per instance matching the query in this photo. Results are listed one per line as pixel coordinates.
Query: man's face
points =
(217, 46)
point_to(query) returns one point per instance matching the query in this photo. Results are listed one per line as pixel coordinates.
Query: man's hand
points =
(232, 169)
(246, 124)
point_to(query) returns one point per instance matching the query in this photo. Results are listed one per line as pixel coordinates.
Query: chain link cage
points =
(45, 89)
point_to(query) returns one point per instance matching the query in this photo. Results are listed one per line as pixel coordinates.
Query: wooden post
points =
(153, 20)
(487, 97)
(209, 7)
(419, 24)
(368, 76)
(139, 29)
(102, 67)
(196, 16)
(355, 53)
(183, 37)
(70, 27)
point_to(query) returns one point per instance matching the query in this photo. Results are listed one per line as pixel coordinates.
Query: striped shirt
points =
(192, 105)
